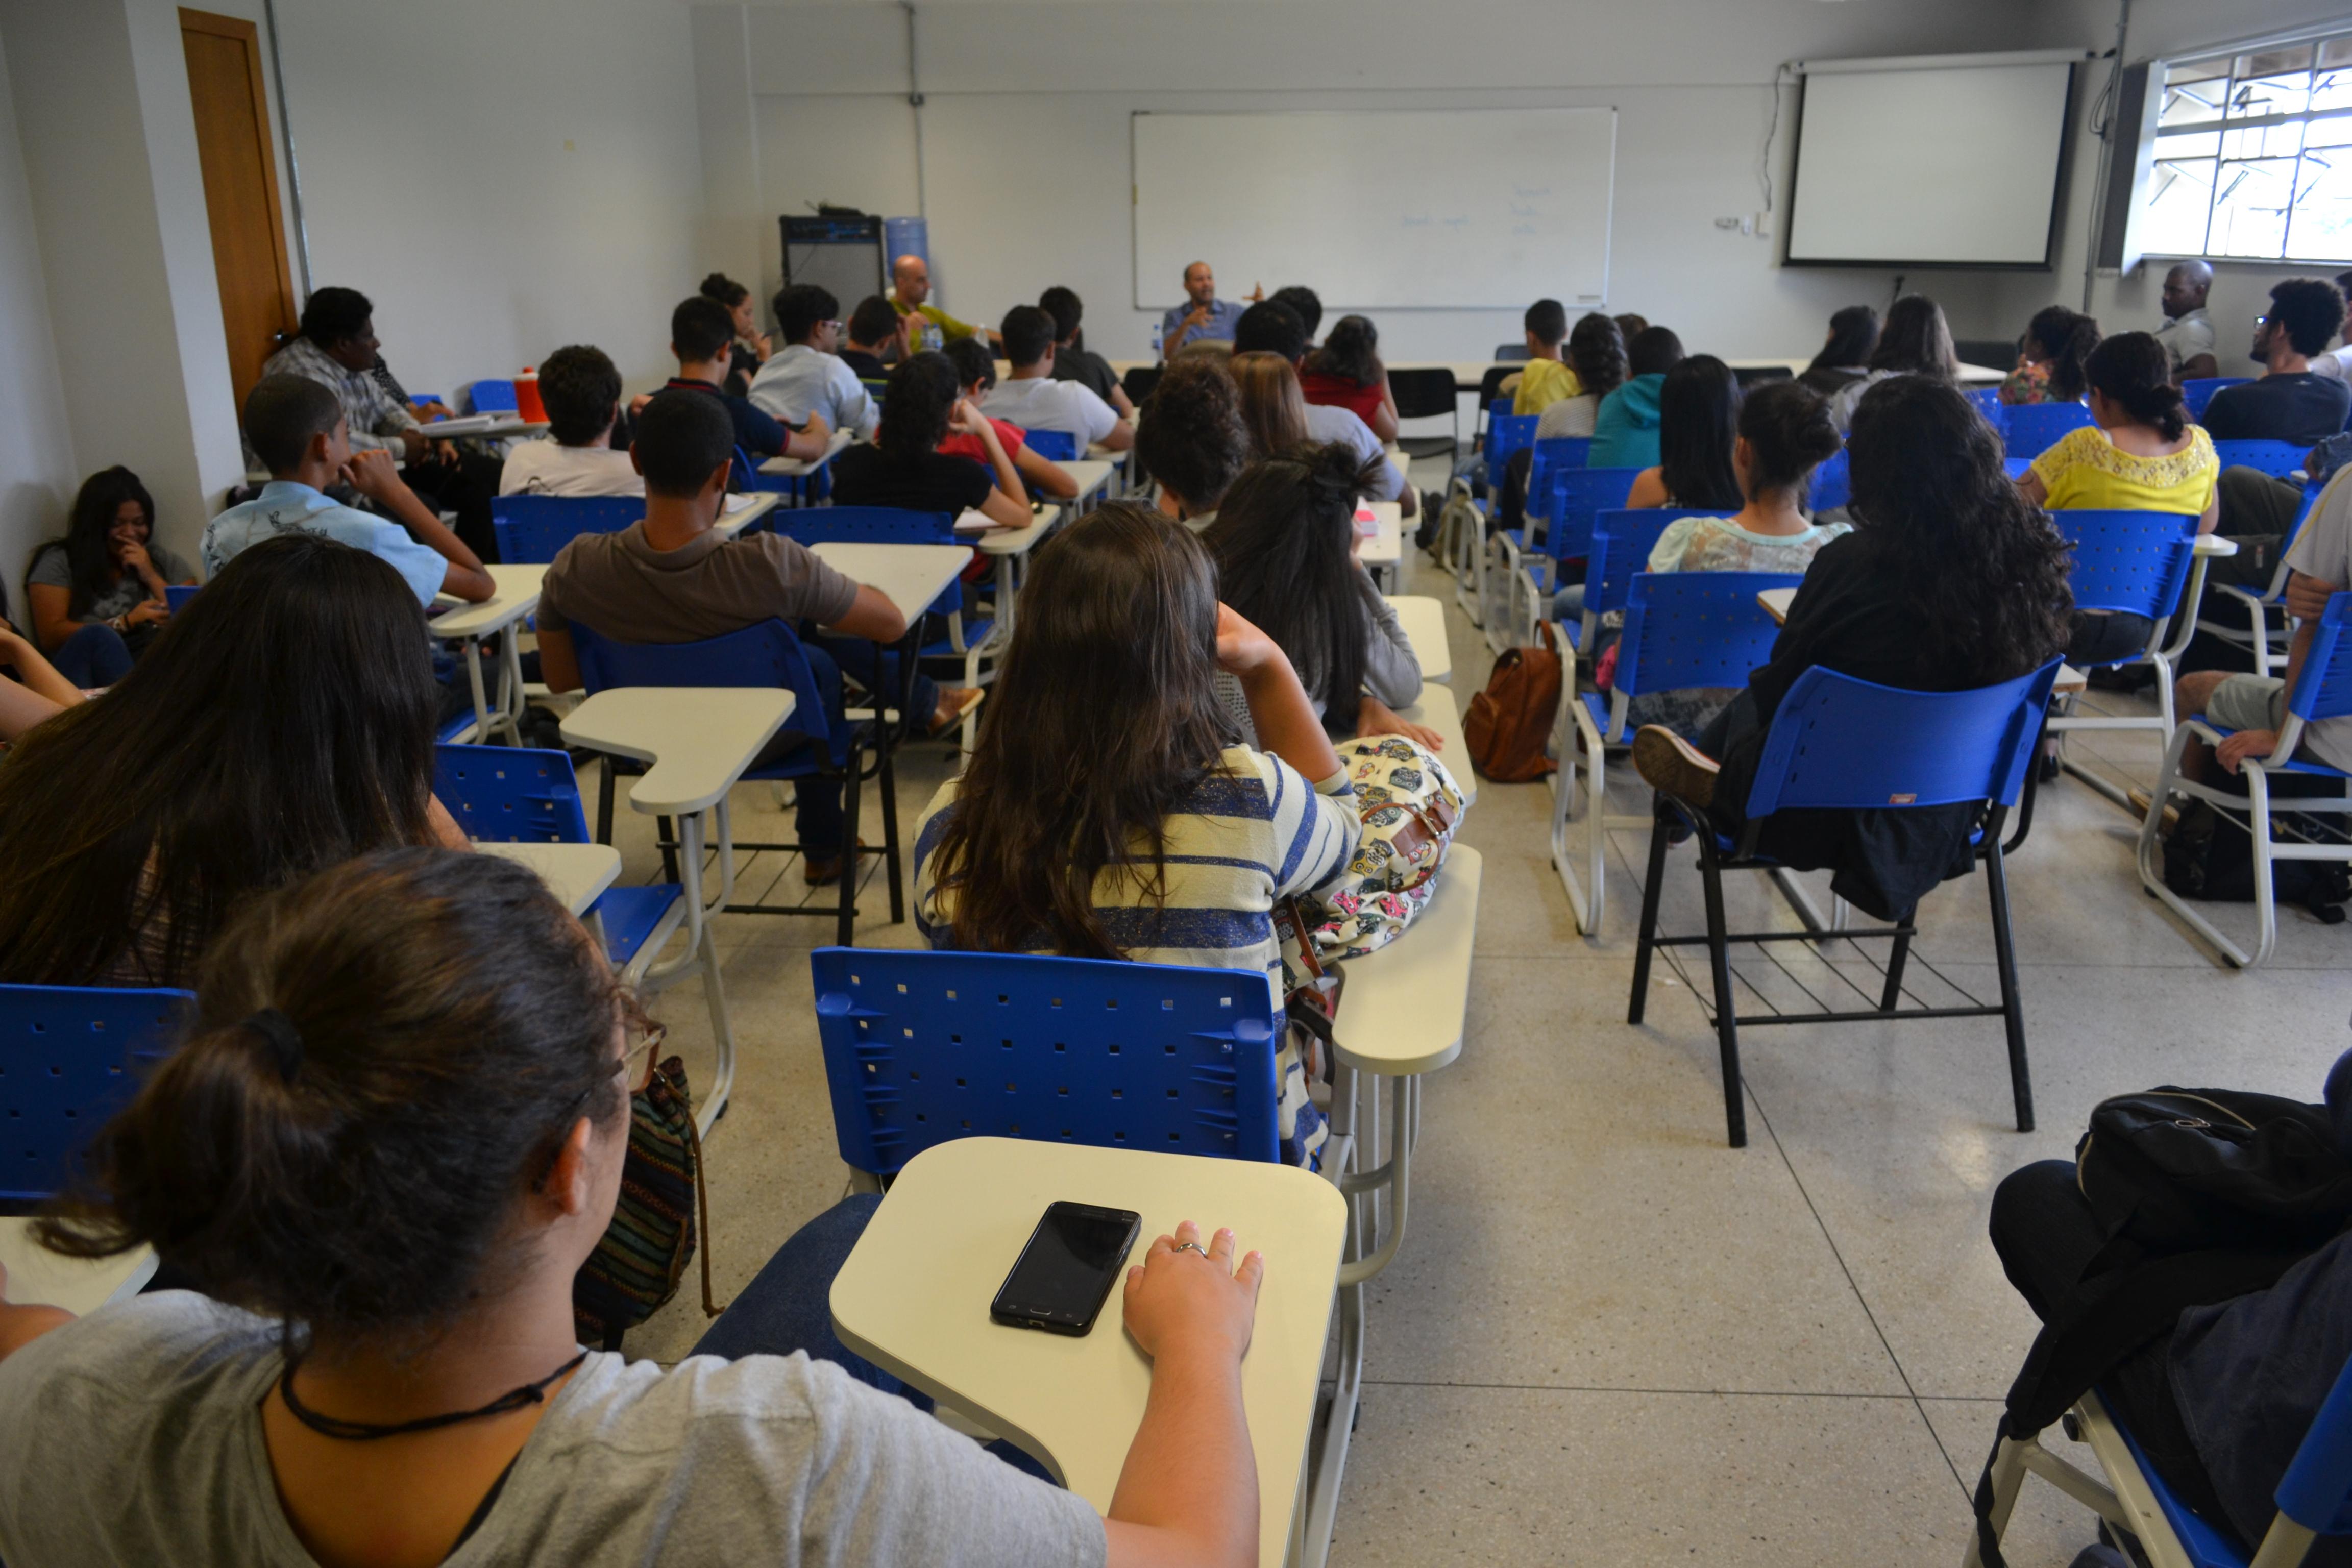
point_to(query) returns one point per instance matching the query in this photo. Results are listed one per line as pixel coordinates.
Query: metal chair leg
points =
(604, 801)
(1894, 962)
(1645, 945)
(2012, 1010)
(1727, 1025)
(845, 929)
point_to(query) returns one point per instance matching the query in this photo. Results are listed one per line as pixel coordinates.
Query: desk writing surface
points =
(911, 577)
(1424, 619)
(514, 594)
(576, 873)
(81, 1287)
(1402, 1009)
(699, 738)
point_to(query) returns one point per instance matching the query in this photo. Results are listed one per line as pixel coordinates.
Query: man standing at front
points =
(1203, 315)
(932, 328)
(2187, 332)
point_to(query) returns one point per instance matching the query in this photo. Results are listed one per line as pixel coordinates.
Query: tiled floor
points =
(1609, 1338)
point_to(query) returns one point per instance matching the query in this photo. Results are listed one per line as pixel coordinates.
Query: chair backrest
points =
(1576, 495)
(2324, 689)
(1838, 743)
(766, 654)
(1833, 482)
(1506, 433)
(1696, 628)
(2198, 390)
(1422, 394)
(1988, 403)
(1054, 445)
(1490, 388)
(1552, 454)
(923, 1047)
(2033, 428)
(1621, 542)
(510, 794)
(1139, 381)
(492, 397)
(868, 525)
(2136, 562)
(2276, 458)
(535, 529)
(1512, 353)
(71, 1057)
(177, 594)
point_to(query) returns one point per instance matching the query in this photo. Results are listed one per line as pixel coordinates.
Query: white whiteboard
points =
(1956, 165)
(1455, 208)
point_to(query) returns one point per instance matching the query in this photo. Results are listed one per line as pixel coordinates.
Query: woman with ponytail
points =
(751, 348)
(1285, 546)
(393, 1135)
(2139, 453)
(2050, 361)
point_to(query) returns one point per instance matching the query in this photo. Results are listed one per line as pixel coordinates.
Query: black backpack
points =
(2209, 856)
(2203, 1195)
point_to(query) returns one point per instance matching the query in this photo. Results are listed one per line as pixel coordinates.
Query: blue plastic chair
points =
(924, 1047)
(1531, 570)
(2323, 689)
(2134, 563)
(1987, 400)
(177, 594)
(2314, 1497)
(766, 655)
(2267, 634)
(1552, 454)
(2276, 458)
(972, 642)
(492, 397)
(1837, 743)
(1054, 445)
(535, 529)
(2198, 391)
(1622, 540)
(1832, 484)
(2033, 428)
(1506, 433)
(71, 1057)
(1682, 629)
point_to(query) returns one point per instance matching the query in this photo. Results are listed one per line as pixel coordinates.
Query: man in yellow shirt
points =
(1546, 380)
(911, 291)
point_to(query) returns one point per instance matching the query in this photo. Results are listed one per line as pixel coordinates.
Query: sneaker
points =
(1668, 763)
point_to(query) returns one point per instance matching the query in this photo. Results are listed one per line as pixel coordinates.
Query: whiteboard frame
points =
(1607, 211)
(2072, 60)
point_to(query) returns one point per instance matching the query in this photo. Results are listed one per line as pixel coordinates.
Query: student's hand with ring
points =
(1185, 1301)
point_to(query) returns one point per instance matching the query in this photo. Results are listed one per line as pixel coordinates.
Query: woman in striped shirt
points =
(1105, 813)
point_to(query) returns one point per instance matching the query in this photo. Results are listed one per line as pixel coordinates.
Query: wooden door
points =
(232, 114)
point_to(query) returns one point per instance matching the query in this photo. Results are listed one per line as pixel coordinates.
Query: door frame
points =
(239, 30)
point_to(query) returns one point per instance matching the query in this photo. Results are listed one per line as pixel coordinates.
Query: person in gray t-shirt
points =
(97, 596)
(396, 1133)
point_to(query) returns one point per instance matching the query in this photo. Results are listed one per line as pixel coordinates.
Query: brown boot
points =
(1670, 763)
(824, 871)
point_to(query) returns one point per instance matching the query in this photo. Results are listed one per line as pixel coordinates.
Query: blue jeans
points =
(94, 655)
(787, 1307)
(878, 672)
(817, 819)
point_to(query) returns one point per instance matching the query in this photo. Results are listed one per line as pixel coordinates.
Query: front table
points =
(913, 1298)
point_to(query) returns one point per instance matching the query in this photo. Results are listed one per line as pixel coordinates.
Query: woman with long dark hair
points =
(2049, 359)
(903, 466)
(1915, 341)
(1104, 813)
(1846, 352)
(1273, 410)
(1698, 422)
(1951, 579)
(1596, 353)
(1285, 547)
(96, 596)
(750, 347)
(397, 1130)
(1347, 372)
(285, 723)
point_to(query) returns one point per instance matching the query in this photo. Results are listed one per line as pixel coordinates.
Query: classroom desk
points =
(36, 1274)
(699, 740)
(484, 427)
(1470, 375)
(912, 577)
(1424, 627)
(1775, 603)
(737, 520)
(913, 1298)
(576, 873)
(514, 597)
(1010, 548)
(1094, 482)
(796, 472)
(1384, 552)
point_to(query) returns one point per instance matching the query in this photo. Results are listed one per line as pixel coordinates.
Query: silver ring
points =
(1190, 1246)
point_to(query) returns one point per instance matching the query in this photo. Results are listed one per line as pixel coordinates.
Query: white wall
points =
(36, 468)
(1027, 166)
(502, 179)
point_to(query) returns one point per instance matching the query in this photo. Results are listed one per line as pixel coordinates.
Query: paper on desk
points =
(973, 520)
(740, 501)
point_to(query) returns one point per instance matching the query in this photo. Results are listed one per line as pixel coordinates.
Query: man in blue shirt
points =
(1203, 316)
(297, 428)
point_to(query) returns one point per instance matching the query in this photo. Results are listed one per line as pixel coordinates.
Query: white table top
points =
(1385, 548)
(793, 468)
(1424, 627)
(1402, 1008)
(36, 1274)
(1091, 474)
(516, 596)
(576, 873)
(756, 504)
(1775, 603)
(2214, 546)
(913, 1298)
(909, 576)
(1469, 374)
(1439, 711)
(484, 426)
(699, 738)
(1009, 541)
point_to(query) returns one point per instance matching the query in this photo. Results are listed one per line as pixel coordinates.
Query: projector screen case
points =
(1984, 138)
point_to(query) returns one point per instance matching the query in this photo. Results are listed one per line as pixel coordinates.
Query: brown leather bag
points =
(1510, 721)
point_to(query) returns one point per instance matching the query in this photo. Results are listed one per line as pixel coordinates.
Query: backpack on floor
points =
(1408, 805)
(1509, 722)
(2208, 856)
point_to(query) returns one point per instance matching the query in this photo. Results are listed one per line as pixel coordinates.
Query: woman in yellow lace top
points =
(2139, 453)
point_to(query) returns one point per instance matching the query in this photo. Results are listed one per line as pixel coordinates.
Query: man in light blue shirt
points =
(809, 376)
(297, 427)
(1204, 315)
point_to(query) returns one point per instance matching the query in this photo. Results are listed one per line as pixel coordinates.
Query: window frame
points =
(2220, 125)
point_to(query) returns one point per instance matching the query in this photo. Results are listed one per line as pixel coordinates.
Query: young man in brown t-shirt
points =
(671, 579)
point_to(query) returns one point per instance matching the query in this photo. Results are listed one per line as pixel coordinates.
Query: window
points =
(2254, 156)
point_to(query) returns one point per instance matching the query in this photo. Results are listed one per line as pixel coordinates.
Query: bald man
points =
(1203, 315)
(2187, 332)
(911, 294)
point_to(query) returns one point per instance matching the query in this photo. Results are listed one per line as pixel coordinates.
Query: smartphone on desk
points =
(1064, 1273)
